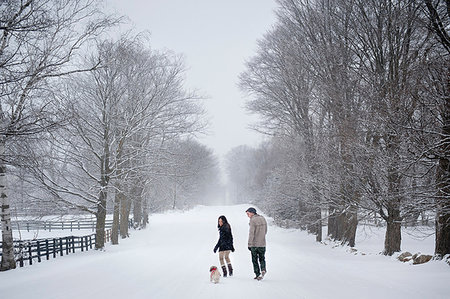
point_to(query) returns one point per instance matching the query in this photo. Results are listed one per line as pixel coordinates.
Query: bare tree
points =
(166, 111)
(325, 27)
(438, 21)
(342, 79)
(39, 43)
(132, 101)
(389, 41)
(282, 89)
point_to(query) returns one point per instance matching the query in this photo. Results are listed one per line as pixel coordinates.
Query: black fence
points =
(27, 251)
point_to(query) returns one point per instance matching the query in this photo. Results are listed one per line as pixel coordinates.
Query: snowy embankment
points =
(171, 259)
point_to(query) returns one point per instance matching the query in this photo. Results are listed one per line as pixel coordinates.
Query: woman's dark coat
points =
(226, 239)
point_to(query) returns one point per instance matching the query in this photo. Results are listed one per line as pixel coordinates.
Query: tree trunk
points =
(342, 226)
(101, 205)
(124, 215)
(145, 213)
(332, 222)
(443, 230)
(393, 238)
(349, 227)
(116, 217)
(8, 262)
(316, 212)
(101, 218)
(350, 197)
(137, 205)
(318, 224)
(174, 196)
(443, 184)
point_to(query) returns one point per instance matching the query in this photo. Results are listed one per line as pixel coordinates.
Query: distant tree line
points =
(91, 123)
(354, 95)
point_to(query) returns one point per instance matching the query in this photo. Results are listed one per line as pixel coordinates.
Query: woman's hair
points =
(224, 221)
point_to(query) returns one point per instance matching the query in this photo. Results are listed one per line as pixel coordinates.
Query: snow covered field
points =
(171, 259)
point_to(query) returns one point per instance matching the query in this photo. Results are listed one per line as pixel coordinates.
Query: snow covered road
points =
(171, 259)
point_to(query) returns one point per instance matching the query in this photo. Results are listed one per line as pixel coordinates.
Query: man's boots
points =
(230, 269)
(224, 270)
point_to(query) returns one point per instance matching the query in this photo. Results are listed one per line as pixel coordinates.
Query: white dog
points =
(215, 274)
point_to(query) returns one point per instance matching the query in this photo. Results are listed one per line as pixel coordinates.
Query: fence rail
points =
(59, 225)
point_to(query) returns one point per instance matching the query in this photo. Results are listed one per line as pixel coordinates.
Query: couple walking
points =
(256, 243)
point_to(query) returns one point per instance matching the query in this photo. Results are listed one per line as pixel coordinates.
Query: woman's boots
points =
(224, 270)
(230, 269)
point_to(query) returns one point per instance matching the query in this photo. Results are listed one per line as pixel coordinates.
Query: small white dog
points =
(215, 274)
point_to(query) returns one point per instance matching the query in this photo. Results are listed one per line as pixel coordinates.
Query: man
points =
(257, 242)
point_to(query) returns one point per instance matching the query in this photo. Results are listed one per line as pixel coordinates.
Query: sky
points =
(216, 38)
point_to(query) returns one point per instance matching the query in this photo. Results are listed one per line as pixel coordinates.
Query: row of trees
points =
(355, 95)
(93, 124)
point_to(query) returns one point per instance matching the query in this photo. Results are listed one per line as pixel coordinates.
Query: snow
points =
(172, 257)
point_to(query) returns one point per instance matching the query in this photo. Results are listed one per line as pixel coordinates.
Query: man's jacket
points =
(258, 230)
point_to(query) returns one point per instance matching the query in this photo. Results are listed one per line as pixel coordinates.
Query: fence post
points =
(46, 249)
(73, 244)
(81, 239)
(28, 226)
(71, 224)
(21, 249)
(38, 251)
(61, 251)
(30, 254)
(54, 248)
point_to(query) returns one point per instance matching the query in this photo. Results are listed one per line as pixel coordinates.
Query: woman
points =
(225, 245)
